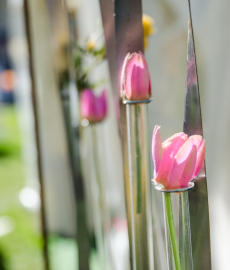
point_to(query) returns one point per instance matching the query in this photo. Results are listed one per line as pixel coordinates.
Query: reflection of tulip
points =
(135, 78)
(178, 159)
(93, 108)
(191, 72)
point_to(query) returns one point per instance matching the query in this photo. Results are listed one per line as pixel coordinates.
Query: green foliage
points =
(4, 263)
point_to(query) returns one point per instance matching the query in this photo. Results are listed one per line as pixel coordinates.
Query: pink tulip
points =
(93, 108)
(178, 159)
(87, 103)
(101, 106)
(135, 78)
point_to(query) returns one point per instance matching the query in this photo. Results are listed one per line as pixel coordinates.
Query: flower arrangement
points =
(176, 162)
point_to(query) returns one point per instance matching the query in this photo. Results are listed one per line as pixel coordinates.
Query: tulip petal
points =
(150, 85)
(198, 140)
(200, 159)
(157, 151)
(101, 106)
(179, 164)
(136, 77)
(189, 168)
(123, 76)
(184, 136)
(180, 134)
(170, 149)
(88, 105)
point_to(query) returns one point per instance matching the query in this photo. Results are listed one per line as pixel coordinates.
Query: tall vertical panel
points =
(43, 215)
(56, 170)
(198, 197)
(129, 38)
(107, 13)
(61, 31)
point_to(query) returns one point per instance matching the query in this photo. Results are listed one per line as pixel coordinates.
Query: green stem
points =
(138, 158)
(172, 232)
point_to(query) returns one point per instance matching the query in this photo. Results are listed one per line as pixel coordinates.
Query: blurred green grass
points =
(21, 249)
(22, 246)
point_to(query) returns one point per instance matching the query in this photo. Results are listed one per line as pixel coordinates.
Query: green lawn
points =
(22, 246)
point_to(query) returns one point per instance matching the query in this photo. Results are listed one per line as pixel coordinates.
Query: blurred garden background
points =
(19, 229)
(54, 28)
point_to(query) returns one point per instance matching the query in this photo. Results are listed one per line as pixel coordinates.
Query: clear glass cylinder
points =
(93, 187)
(138, 188)
(177, 231)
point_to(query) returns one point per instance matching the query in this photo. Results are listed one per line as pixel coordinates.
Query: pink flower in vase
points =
(178, 159)
(135, 78)
(93, 108)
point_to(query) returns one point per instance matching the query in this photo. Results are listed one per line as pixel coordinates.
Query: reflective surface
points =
(198, 197)
(51, 83)
(169, 252)
(161, 188)
(182, 229)
(101, 214)
(107, 14)
(108, 143)
(126, 101)
(129, 38)
(185, 243)
(138, 188)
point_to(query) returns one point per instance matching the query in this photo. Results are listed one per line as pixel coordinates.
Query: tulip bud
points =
(135, 78)
(93, 108)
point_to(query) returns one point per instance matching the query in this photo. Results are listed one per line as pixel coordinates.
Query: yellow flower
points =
(146, 42)
(148, 28)
(90, 44)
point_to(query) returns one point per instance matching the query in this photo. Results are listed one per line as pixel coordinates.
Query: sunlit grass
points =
(22, 246)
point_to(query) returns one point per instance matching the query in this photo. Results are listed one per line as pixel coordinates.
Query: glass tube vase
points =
(137, 187)
(177, 228)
